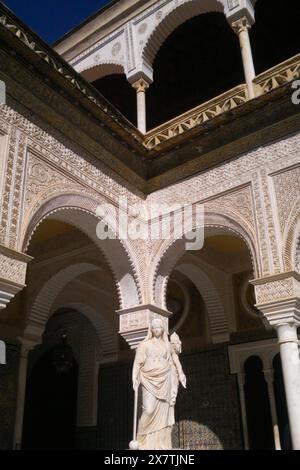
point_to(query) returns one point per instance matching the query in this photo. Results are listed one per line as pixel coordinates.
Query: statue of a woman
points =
(158, 370)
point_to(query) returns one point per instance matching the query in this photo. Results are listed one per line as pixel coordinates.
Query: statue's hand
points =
(173, 401)
(182, 379)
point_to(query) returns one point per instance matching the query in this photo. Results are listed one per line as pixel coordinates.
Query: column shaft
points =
(269, 378)
(289, 351)
(241, 27)
(241, 382)
(17, 443)
(141, 86)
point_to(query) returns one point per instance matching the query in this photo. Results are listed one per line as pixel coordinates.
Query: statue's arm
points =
(138, 363)
(181, 375)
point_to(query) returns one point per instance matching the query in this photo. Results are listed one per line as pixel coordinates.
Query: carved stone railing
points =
(279, 75)
(196, 116)
(267, 81)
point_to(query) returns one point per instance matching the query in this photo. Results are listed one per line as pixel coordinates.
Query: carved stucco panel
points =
(260, 224)
(11, 203)
(84, 167)
(274, 237)
(275, 290)
(232, 174)
(12, 269)
(287, 189)
(238, 203)
(40, 177)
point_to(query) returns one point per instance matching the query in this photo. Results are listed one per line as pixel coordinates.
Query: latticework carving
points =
(279, 75)
(197, 116)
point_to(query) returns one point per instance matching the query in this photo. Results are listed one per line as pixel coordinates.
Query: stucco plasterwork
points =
(287, 188)
(40, 177)
(135, 42)
(86, 168)
(283, 286)
(12, 269)
(166, 255)
(13, 184)
(238, 205)
(239, 191)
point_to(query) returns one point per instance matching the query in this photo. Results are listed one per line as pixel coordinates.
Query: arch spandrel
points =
(170, 251)
(80, 211)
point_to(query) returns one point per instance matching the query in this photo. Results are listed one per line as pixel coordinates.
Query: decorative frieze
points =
(197, 116)
(278, 287)
(13, 267)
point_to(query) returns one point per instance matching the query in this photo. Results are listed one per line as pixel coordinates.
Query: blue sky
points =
(51, 19)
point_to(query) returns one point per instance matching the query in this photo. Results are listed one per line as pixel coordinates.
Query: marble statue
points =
(158, 370)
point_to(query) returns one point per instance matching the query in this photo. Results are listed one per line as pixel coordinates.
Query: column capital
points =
(13, 265)
(140, 85)
(134, 322)
(241, 25)
(282, 312)
(277, 287)
(278, 298)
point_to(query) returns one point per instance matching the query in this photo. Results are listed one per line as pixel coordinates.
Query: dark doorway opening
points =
(50, 406)
(275, 35)
(258, 407)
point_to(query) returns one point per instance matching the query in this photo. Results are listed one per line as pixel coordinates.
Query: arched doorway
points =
(50, 406)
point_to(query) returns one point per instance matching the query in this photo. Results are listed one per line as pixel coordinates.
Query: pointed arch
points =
(102, 69)
(175, 17)
(217, 318)
(172, 250)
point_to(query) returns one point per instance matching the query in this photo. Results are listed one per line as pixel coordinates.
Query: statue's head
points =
(157, 327)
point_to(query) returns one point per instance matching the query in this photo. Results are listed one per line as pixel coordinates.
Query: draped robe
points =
(158, 376)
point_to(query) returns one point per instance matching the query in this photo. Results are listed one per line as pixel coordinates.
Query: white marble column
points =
(279, 300)
(269, 378)
(141, 86)
(22, 377)
(241, 28)
(289, 351)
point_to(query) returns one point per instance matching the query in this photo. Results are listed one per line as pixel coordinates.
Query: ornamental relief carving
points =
(270, 217)
(12, 270)
(40, 177)
(271, 291)
(287, 189)
(232, 174)
(13, 185)
(84, 167)
(238, 203)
